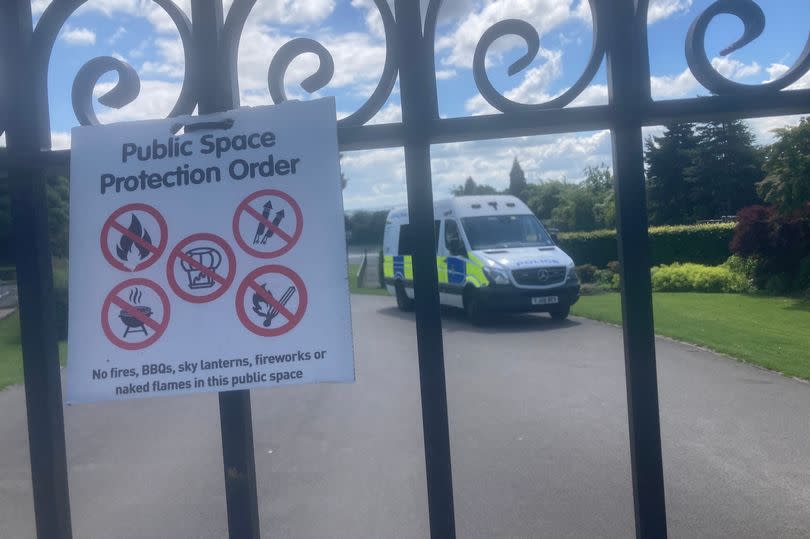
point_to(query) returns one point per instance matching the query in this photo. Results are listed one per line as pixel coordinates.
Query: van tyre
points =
(473, 308)
(404, 303)
(560, 313)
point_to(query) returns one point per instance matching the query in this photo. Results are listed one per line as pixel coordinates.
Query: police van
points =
(492, 255)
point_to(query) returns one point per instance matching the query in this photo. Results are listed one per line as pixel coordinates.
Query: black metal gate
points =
(210, 46)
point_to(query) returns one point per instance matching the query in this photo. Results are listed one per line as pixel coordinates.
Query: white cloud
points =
(459, 44)
(661, 9)
(78, 36)
(532, 89)
(391, 113)
(674, 86)
(118, 34)
(155, 101)
(60, 140)
(734, 69)
(445, 74)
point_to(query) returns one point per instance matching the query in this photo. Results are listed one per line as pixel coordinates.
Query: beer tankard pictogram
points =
(207, 257)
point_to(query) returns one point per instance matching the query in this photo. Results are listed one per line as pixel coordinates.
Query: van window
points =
(406, 238)
(493, 231)
(452, 239)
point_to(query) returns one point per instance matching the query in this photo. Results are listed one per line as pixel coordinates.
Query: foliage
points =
(667, 157)
(776, 241)
(57, 197)
(704, 244)
(366, 227)
(588, 205)
(769, 331)
(472, 188)
(517, 181)
(802, 281)
(726, 167)
(697, 278)
(586, 273)
(787, 164)
(607, 279)
(701, 172)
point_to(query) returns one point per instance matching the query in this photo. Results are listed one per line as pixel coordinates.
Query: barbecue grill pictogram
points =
(131, 322)
(135, 314)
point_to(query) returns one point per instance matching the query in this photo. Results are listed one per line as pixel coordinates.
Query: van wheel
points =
(473, 309)
(560, 313)
(404, 303)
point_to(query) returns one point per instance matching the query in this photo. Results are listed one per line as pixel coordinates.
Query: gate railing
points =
(211, 46)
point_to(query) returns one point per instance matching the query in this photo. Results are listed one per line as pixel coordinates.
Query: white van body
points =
(492, 254)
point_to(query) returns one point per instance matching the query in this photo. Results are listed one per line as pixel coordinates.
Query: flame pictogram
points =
(125, 244)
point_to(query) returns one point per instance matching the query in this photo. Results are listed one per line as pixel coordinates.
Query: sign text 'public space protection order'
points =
(211, 260)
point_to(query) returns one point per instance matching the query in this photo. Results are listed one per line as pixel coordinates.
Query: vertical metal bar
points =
(628, 82)
(43, 390)
(216, 93)
(417, 111)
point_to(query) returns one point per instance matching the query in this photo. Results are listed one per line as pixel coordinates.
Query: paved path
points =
(539, 442)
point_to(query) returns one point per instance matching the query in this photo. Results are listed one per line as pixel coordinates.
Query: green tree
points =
(787, 164)
(599, 184)
(726, 166)
(667, 158)
(57, 195)
(517, 181)
(471, 188)
(543, 197)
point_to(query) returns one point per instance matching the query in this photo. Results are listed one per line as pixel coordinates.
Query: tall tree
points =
(787, 164)
(726, 167)
(517, 181)
(667, 158)
(472, 188)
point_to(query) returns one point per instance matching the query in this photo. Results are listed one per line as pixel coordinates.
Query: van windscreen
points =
(487, 232)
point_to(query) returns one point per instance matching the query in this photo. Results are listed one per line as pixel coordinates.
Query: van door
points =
(454, 264)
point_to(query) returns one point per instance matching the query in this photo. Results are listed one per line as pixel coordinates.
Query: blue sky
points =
(138, 32)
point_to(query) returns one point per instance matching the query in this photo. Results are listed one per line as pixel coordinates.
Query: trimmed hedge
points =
(697, 278)
(702, 244)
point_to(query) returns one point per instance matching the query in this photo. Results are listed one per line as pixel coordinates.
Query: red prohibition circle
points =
(178, 254)
(111, 223)
(250, 282)
(289, 239)
(158, 328)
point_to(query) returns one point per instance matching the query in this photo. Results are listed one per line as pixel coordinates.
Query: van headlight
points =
(570, 272)
(496, 275)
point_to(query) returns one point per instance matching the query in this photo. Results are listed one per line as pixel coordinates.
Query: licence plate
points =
(545, 300)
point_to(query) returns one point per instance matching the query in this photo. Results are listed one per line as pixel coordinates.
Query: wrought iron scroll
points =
(296, 47)
(753, 19)
(128, 85)
(528, 33)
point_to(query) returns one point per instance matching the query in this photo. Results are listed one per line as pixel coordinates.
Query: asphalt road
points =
(538, 434)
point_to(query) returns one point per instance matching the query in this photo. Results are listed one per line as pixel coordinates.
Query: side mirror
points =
(553, 233)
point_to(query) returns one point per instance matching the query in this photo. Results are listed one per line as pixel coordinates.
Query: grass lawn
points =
(773, 332)
(353, 269)
(11, 352)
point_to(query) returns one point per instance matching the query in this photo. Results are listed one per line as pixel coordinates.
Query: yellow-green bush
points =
(690, 277)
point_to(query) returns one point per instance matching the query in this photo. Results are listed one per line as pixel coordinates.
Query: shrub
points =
(614, 266)
(606, 279)
(777, 242)
(703, 244)
(697, 278)
(586, 273)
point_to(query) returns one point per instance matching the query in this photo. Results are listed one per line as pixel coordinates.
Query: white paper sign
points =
(209, 261)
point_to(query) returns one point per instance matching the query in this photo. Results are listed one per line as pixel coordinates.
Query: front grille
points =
(539, 276)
